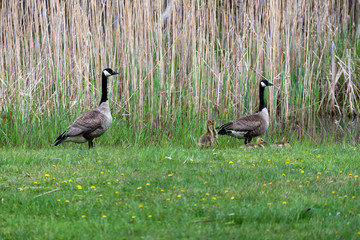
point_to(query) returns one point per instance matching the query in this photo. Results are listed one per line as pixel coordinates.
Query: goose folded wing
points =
(85, 124)
(247, 123)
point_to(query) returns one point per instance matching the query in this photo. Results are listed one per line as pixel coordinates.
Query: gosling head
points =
(285, 140)
(107, 72)
(209, 122)
(260, 141)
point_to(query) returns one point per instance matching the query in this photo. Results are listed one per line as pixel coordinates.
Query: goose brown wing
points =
(86, 123)
(247, 123)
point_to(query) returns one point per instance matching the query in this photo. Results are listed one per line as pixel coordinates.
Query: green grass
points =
(189, 193)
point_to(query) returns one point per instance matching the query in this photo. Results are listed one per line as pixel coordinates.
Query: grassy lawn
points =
(173, 192)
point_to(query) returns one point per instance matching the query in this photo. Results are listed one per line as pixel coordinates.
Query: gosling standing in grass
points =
(283, 143)
(209, 138)
(93, 123)
(258, 144)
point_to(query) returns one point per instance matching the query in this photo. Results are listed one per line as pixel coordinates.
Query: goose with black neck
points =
(93, 123)
(252, 125)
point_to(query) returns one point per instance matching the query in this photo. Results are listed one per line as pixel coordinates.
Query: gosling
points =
(258, 144)
(283, 143)
(209, 138)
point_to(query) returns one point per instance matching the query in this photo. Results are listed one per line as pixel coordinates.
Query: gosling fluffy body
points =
(258, 144)
(209, 138)
(283, 143)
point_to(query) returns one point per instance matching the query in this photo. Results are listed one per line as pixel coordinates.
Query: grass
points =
(306, 191)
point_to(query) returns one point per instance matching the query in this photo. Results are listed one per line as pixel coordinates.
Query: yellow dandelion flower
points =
(117, 192)
(182, 190)
(302, 171)
(300, 186)
(319, 173)
(264, 184)
(307, 181)
(21, 189)
(179, 196)
(117, 180)
(140, 206)
(122, 174)
(318, 156)
(83, 216)
(147, 184)
(269, 203)
(92, 187)
(203, 199)
(99, 162)
(359, 233)
(205, 182)
(79, 187)
(101, 172)
(287, 181)
(47, 175)
(214, 198)
(283, 175)
(226, 191)
(133, 217)
(35, 182)
(270, 183)
(340, 171)
(333, 192)
(54, 166)
(325, 204)
(207, 194)
(191, 160)
(214, 153)
(231, 162)
(70, 180)
(100, 195)
(104, 216)
(232, 198)
(269, 160)
(284, 202)
(253, 164)
(58, 200)
(109, 183)
(345, 196)
(139, 188)
(350, 174)
(67, 201)
(168, 199)
(150, 216)
(286, 162)
(170, 175)
(353, 197)
(162, 190)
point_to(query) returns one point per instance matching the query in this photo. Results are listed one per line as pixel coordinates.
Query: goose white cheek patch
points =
(106, 73)
(263, 84)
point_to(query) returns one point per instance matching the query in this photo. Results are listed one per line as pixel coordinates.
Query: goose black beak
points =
(114, 73)
(270, 84)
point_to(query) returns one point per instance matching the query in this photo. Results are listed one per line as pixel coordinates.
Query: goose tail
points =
(60, 138)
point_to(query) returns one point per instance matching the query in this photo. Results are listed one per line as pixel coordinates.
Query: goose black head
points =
(109, 72)
(265, 83)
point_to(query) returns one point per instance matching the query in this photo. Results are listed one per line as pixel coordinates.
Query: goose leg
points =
(91, 144)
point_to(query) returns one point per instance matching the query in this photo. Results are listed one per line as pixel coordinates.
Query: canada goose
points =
(258, 144)
(283, 143)
(249, 126)
(208, 138)
(93, 123)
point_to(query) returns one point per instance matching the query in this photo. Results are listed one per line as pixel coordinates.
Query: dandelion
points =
(67, 201)
(345, 196)
(302, 171)
(284, 202)
(147, 184)
(83, 216)
(122, 174)
(150, 216)
(35, 182)
(331, 181)
(54, 166)
(168, 199)
(269, 203)
(205, 182)
(117, 180)
(318, 156)
(109, 183)
(231, 162)
(21, 189)
(191, 160)
(117, 192)
(353, 197)
(47, 175)
(207, 194)
(133, 217)
(162, 190)
(170, 175)
(140, 206)
(319, 173)
(70, 180)
(214, 153)
(179, 196)
(283, 175)
(79, 187)
(307, 181)
(92, 187)
(270, 183)
(100, 195)
(287, 181)
(214, 198)
(300, 186)
(104, 216)
(232, 198)
(101, 172)
(269, 160)
(350, 174)
(138, 188)
(253, 164)
(226, 191)
(340, 171)
(264, 184)
(325, 204)
(58, 200)
(333, 192)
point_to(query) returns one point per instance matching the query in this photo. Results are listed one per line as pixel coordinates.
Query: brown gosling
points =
(283, 143)
(215, 134)
(208, 139)
(258, 144)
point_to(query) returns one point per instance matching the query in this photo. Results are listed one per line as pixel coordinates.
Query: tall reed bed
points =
(180, 63)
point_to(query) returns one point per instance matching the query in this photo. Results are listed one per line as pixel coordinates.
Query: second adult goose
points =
(249, 126)
(93, 123)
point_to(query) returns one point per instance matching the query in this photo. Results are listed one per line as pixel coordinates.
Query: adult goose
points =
(249, 126)
(93, 123)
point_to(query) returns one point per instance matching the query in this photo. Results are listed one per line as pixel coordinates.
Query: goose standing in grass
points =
(283, 143)
(249, 126)
(209, 138)
(93, 123)
(258, 144)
